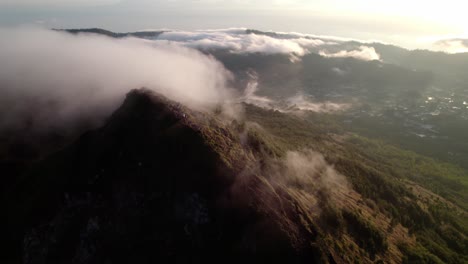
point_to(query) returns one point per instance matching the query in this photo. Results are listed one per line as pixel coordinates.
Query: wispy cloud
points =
(456, 45)
(308, 171)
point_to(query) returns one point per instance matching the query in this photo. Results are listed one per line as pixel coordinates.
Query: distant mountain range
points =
(139, 34)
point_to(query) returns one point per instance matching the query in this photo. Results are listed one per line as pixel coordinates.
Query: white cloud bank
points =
(237, 40)
(363, 53)
(48, 78)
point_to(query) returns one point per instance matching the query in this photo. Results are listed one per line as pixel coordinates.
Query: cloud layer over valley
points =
(241, 40)
(237, 40)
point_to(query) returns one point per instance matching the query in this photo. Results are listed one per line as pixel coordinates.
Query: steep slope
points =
(163, 183)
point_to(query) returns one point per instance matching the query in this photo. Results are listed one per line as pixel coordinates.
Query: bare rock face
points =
(157, 183)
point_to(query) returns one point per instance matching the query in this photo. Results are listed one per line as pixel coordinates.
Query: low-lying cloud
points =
(363, 53)
(296, 103)
(301, 103)
(48, 78)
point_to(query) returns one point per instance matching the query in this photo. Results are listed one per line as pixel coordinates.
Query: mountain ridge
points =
(81, 191)
(161, 182)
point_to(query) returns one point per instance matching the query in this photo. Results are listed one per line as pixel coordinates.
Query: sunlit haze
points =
(412, 24)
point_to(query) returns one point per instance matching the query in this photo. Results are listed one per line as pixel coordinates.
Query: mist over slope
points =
(49, 77)
(161, 182)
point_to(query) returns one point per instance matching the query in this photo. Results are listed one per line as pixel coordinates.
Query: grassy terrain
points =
(424, 195)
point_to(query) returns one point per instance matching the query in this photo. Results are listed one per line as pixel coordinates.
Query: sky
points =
(412, 24)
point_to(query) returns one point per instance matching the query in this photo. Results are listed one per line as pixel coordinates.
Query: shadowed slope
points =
(150, 186)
